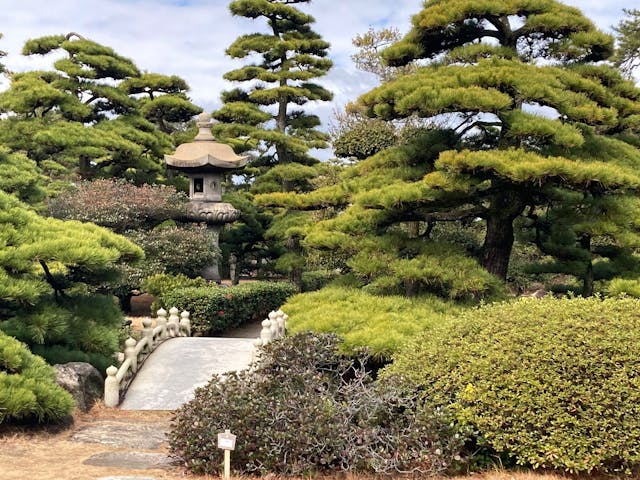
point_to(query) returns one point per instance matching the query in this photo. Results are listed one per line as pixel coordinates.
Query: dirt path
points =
(103, 444)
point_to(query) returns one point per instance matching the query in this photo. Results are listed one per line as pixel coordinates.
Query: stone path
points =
(132, 436)
(176, 368)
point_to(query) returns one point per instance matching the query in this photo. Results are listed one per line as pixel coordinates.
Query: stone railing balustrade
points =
(135, 351)
(273, 328)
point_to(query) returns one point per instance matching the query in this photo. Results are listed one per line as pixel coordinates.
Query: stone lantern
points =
(205, 162)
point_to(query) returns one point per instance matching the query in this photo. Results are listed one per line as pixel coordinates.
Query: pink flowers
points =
(229, 296)
(220, 313)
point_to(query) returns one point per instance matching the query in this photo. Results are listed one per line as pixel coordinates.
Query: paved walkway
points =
(176, 368)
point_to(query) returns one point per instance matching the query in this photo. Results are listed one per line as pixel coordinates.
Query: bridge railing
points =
(136, 351)
(273, 328)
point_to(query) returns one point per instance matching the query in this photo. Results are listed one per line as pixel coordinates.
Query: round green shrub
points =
(28, 392)
(551, 383)
(307, 409)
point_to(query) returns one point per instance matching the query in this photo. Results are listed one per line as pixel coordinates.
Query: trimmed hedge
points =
(214, 309)
(306, 409)
(28, 391)
(381, 324)
(550, 383)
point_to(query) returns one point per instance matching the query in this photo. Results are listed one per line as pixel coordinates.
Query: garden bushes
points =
(214, 309)
(307, 409)
(28, 392)
(552, 383)
(379, 324)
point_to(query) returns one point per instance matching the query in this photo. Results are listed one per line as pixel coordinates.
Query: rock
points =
(82, 380)
(129, 460)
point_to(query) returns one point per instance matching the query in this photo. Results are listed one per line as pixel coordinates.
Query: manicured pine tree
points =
(80, 120)
(263, 115)
(518, 118)
(50, 272)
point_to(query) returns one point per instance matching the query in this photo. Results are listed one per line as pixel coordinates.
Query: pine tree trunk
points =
(587, 280)
(498, 244)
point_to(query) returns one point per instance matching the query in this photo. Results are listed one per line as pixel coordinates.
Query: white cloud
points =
(188, 37)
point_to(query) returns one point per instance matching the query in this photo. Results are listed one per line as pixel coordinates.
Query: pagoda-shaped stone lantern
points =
(205, 162)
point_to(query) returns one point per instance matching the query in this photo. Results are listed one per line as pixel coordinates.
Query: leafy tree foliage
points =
(513, 135)
(83, 118)
(50, 271)
(119, 205)
(628, 32)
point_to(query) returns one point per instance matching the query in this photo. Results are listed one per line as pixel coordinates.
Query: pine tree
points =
(263, 115)
(517, 118)
(84, 118)
(292, 55)
(50, 272)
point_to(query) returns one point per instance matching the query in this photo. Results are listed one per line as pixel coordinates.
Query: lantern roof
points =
(204, 153)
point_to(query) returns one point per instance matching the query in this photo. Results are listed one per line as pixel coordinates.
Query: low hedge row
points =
(214, 309)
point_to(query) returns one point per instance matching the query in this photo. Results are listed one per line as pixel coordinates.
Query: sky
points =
(188, 37)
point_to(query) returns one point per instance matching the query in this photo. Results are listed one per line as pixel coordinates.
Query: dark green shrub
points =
(162, 283)
(307, 409)
(550, 383)
(214, 309)
(28, 391)
(315, 280)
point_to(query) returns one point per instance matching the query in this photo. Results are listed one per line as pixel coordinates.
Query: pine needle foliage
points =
(28, 391)
(50, 271)
(380, 325)
(519, 109)
(95, 114)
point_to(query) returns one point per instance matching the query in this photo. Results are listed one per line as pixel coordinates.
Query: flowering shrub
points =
(119, 205)
(214, 309)
(307, 409)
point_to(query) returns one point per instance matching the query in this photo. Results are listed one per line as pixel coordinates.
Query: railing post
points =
(147, 332)
(266, 335)
(111, 388)
(185, 323)
(274, 325)
(255, 354)
(282, 323)
(130, 353)
(174, 320)
(161, 321)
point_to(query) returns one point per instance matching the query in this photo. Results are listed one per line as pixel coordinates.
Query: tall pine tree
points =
(263, 114)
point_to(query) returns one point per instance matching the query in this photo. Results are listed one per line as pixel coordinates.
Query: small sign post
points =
(227, 442)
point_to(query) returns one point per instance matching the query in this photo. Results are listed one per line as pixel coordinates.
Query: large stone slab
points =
(176, 368)
(145, 436)
(129, 460)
